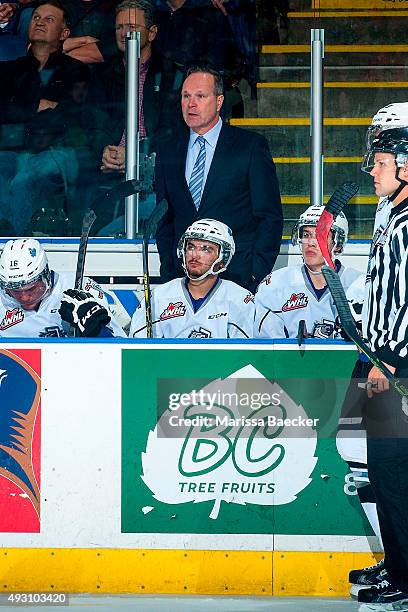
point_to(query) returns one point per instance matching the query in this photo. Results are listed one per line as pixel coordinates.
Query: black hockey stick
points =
(347, 323)
(87, 223)
(302, 332)
(158, 212)
(334, 206)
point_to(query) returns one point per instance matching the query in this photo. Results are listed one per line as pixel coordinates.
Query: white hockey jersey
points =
(15, 322)
(227, 312)
(286, 297)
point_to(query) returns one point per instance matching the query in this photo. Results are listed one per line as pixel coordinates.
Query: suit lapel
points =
(221, 157)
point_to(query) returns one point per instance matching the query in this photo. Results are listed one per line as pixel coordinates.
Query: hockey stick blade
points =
(87, 223)
(157, 213)
(340, 197)
(334, 206)
(347, 323)
(124, 189)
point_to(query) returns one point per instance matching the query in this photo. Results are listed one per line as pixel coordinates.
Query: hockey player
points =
(298, 294)
(384, 321)
(35, 301)
(201, 305)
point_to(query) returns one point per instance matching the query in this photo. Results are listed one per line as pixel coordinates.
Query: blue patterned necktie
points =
(197, 176)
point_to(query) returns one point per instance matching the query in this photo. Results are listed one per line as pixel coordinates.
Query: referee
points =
(385, 326)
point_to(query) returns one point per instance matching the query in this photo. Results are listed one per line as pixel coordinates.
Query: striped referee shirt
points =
(385, 312)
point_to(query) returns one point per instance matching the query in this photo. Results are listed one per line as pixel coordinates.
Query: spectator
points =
(13, 28)
(192, 32)
(92, 37)
(108, 92)
(223, 171)
(45, 94)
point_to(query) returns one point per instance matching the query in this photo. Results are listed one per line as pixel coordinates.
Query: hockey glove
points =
(81, 310)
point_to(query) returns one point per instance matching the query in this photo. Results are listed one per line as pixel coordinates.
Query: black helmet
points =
(394, 141)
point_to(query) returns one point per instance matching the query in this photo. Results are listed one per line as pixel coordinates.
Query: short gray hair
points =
(142, 5)
(218, 82)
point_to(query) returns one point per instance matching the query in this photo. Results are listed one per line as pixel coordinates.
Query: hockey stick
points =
(334, 206)
(87, 223)
(123, 190)
(302, 332)
(150, 229)
(347, 323)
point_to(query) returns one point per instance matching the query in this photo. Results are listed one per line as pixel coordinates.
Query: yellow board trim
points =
(265, 121)
(333, 84)
(327, 160)
(339, 14)
(306, 200)
(336, 49)
(193, 572)
(353, 4)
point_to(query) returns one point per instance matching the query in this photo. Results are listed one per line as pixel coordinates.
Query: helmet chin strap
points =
(313, 271)
(402, 184)
(209, 272)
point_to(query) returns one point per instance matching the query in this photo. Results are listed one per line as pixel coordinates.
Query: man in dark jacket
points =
(37, 97)
(220, 172)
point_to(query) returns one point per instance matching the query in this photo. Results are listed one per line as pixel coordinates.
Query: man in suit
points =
(220, 172)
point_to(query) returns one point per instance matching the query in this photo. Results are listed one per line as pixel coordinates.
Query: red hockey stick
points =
(334, 206)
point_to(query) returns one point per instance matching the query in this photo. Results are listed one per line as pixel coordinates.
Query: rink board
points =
(124, 508)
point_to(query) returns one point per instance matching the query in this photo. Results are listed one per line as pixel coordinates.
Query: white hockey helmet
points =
(213, 231)
(310, 218)
(390, 116)
(23, 262)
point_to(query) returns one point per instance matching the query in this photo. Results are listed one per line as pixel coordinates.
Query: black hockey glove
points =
(81, 310)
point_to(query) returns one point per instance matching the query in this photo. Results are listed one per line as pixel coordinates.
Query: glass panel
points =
(50, 158)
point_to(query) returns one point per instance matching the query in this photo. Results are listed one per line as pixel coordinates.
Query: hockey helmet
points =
(389, 117)
(310, 218)
(394, 141)
(23, 262)
(213, 231)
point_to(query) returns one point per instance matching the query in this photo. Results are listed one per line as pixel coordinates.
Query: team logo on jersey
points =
(173, 310)
(324, 329)
(52, 332)
(248, 298)
(12, 317)
(268, 279)
(201, 333)
(296, 301)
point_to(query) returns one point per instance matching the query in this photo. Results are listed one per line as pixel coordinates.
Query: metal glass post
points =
(132, 54)
(316, 116)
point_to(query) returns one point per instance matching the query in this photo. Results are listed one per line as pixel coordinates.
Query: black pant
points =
(387, 458)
